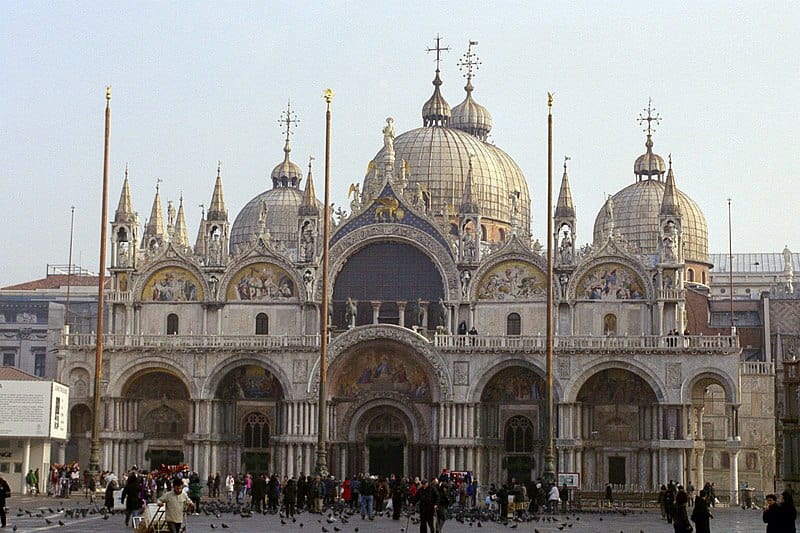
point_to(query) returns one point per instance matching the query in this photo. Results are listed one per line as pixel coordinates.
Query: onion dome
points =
(286, 173)
(436, 111)
(471, 117)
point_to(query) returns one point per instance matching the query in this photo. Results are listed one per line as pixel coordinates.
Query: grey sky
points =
(197, 82)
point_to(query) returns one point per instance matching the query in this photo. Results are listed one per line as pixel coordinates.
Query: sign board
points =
(33, 409)
(570, 479)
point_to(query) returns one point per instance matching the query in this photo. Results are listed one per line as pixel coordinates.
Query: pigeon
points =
(324, 530)
(224, 525)
(60, 523)
(48, 522)
(105, 517)
(283, 522)
(479, 524)
(213, 526)
(337, 529)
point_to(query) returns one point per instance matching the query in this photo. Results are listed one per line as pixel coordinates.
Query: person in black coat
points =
(290, 496)
(700, 514)
(399, 491)
(428, 499)
(132, 497)
(109, 499)
(772, 514)
(272, 490)
(257, 492)
(788, 512)
(5, 492)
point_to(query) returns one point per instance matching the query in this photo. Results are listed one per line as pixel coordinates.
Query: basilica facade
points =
(437, 349)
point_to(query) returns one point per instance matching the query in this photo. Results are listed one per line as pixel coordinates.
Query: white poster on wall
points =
(33, 409)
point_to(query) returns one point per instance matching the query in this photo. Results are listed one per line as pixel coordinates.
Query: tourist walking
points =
(772, 514)
(609, 495)
(175, 502)
(132, 497)
(700, 514)
(680, 518)
(428, 499)
(788, 512)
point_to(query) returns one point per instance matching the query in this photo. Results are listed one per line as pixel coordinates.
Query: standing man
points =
(428, 499)
(175, 502)
(5, 492)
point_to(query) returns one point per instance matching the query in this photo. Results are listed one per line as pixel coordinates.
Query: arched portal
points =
(159, 405)
(621, 420)
(383, 393)
(80, 424)
(249, 403)
(512, 412)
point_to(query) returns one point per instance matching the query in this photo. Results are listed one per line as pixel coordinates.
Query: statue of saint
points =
(465, 278)
(565, 250)
(388, 137)
(351, 311)
(308, 282)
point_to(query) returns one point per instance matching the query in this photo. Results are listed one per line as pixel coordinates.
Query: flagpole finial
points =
(108, 93)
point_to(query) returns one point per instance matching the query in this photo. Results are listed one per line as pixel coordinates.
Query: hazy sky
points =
(198, 82)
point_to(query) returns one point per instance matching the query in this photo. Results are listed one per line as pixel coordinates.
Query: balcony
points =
(672, 294)
(758, 368)
(238, 342)
(676, 344)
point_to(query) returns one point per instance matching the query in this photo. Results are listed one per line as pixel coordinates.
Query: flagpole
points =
(94, 453)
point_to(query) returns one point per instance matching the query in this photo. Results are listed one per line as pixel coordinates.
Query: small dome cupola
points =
(649, 164)
(287, 173)
(470, 116)
(436, 111)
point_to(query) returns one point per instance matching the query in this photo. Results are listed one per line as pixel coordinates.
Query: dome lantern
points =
(287, 173)
(649, 164)
(436, 111)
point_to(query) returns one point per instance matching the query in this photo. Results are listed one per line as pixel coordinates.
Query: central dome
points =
(438, 156)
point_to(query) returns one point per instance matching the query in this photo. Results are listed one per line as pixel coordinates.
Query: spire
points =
(564, 207)
(669, 204)
(125, 211)
(217, 211)
(286, 173)
(436, 111)
(468, 204)
(181, 234)
(309, 206)
(155, 225)
(200, 242)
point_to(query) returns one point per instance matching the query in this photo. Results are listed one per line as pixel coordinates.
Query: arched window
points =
(172, 324)
(690, 274)
(513, 324)
(255, 433)
(484, 233)
(610, 324)
(502, 234)
(703, 275)
(519, 435)
(262, 324)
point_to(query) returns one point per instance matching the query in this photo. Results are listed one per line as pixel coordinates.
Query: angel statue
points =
(355, 192)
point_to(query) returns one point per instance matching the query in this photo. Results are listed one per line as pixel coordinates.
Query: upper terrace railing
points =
(581, 343)
(123, 341)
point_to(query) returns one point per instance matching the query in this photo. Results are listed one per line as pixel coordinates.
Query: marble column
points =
(376, 310)
(401, 309)
(734, 477)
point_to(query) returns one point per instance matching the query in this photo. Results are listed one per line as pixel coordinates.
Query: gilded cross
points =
(288, 119)
(469, 61)
(650, 118)
(438, 50)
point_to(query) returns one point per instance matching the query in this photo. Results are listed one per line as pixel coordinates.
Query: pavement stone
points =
(725, 520)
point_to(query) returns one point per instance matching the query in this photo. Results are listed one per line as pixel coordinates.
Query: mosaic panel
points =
(172, 284)
(611, 281)
(383, 371)
(261, 282)
(514, 384)
(512, 280)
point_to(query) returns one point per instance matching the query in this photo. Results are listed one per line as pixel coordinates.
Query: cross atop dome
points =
(288, 119)
(438, 50)
(469, 61)
(650, 118)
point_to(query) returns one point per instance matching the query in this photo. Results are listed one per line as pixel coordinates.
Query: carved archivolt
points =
(354, 421)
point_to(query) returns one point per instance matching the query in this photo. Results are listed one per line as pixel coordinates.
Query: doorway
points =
(386, 455)
(520, 467)
(616, 470)
(256, 462)
(164, 457)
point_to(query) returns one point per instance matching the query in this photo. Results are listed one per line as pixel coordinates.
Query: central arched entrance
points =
(383, 393)
(386, 433)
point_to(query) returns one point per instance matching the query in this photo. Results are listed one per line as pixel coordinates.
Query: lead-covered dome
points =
(438, 156)
(636, 210)
(280, 207)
